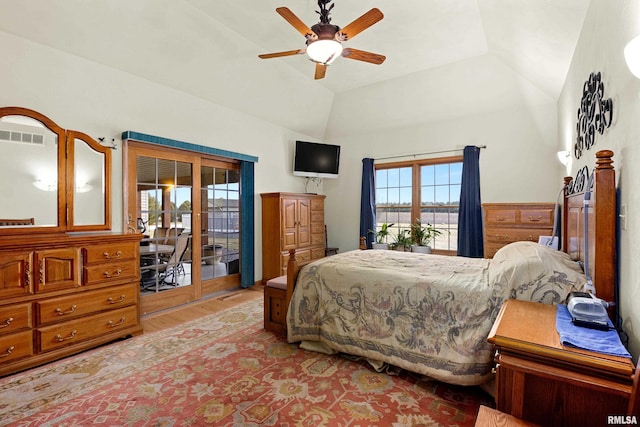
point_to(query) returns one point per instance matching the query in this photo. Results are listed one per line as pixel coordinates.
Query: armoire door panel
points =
(58, 269)
(16, 275)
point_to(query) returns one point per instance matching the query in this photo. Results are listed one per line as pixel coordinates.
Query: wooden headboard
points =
(601, 222)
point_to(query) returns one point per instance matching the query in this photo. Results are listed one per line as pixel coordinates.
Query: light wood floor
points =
(217, 302)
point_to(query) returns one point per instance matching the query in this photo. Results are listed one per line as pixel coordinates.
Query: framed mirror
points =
(55, 180)
(90, 173)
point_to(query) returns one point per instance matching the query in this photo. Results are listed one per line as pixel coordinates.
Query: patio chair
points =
(174, 267)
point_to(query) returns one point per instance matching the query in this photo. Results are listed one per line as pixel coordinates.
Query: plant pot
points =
(380, 246)
(213, 254)
(421, 249)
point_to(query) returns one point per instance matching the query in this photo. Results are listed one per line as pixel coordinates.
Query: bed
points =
(431, 314)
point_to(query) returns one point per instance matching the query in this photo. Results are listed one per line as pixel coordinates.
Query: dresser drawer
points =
(504, 236)
(15, 346)
(318, 228)
(15, 317)
(317, 204)
(60, 309)
(501, 216)
(317, 239)
(537, 217)
(74, 331)
(302, 257)
(108, 253)
(317, 253)
(318, 217)
(112, 272)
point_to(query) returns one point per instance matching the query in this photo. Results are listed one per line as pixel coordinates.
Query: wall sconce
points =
(564, 157)
(632, 56)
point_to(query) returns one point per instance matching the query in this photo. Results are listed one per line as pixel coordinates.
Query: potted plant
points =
(421, 236)
(402, 241)
(381, 236)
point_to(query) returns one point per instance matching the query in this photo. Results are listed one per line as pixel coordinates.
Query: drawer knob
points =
(8, 352)
(62, 313)
(500, 218)
(109, 275)
(112, 301)
(7, 323)
(112, 324)
(535, 218)
(107, 255)
(71, 336)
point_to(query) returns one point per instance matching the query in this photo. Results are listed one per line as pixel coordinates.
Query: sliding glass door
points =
(188, 209)
(164, 188)
(219, 222)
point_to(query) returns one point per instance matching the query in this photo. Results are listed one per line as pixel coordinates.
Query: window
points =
(425, 189)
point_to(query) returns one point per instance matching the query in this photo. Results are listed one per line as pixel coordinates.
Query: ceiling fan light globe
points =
(324, 51)
(632, 56)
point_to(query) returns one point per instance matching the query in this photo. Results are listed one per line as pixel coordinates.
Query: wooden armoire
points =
(290, 221)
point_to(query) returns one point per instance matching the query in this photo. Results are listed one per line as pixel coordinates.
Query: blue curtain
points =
(470, 242)
(368, 201)
(247, 236)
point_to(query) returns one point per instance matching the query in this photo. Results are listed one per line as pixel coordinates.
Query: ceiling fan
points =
(324, 40)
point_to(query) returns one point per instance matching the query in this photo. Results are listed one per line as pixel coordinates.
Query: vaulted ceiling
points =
(445, 58)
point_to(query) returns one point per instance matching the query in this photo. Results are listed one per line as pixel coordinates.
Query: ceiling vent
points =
(21, 137)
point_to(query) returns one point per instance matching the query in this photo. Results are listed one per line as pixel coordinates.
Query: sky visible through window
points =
(439, 198)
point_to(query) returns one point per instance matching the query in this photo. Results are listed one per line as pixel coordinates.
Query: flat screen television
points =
(312, 159)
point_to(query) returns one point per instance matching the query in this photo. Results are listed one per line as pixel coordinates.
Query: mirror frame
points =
(66, 179)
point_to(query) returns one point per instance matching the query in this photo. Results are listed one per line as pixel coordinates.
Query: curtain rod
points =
(424, 154)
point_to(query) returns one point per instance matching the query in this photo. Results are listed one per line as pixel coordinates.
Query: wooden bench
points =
(275, 306)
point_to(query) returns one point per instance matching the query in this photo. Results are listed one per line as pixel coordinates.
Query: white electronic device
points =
(588, 311)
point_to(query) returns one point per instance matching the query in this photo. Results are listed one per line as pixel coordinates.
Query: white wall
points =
(607, 29)
(518, 165)
(82, 95)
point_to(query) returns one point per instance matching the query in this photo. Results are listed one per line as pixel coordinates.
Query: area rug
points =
(225, 369)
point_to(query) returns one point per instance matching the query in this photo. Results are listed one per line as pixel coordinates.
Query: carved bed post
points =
(565, 215)
(292, 275)
(604, 254)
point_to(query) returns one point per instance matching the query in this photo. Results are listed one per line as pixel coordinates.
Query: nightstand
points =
(541, 381)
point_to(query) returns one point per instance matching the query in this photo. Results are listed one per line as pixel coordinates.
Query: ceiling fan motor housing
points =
(324, 32)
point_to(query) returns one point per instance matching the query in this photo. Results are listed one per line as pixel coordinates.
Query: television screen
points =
(312, 159)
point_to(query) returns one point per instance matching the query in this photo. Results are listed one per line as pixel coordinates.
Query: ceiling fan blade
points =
(292, 19)
(362, 55)
(279, 54)
(362, 23)
(321, 70)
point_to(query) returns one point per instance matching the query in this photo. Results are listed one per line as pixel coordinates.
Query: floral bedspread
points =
(429, 314)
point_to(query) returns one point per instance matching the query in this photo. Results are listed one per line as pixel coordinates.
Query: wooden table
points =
(152, 249)
(541, 381)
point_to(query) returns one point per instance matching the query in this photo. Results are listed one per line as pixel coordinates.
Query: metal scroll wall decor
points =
(594, 115)
(581, 183)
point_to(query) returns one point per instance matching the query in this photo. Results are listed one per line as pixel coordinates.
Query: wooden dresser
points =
(64, 293)
(505, 223)
(290, 221)
(541, 381)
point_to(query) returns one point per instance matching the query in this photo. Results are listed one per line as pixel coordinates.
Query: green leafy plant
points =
(383, 233)
(402, 240)
(422, 235)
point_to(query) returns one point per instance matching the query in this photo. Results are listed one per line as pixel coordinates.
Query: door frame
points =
(185, 294)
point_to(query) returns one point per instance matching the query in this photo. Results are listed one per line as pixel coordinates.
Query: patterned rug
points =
(225, 369)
